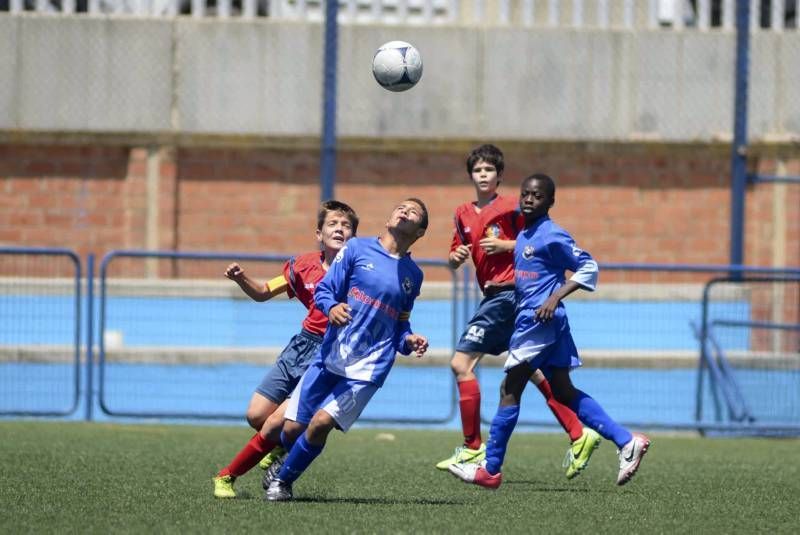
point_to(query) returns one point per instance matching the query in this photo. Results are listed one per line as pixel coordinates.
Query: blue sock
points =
(592, 414)
(503, 423)
(301, 455)
(287, 442)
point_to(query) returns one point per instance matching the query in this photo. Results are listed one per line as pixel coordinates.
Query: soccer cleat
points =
(476, 474)
(578, 454)
(270, 457)
(278, 491)
(630, 456)
(274, 468)
(464, 454)
(223, 487)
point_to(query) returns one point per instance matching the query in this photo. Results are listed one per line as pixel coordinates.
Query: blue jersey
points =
(380, 289)
(542, 253)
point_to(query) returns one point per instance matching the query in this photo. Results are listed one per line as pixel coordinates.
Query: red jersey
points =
(500, 219)
(303, 273)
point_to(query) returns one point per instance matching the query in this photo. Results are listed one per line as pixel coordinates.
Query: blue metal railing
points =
(76, 383)
(713, 358)
(735, 405)
(731, 273)
(103, 386)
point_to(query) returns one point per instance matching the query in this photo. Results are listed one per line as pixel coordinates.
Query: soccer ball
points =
(397, 66)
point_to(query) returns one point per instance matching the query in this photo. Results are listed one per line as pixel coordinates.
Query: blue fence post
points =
(89, 335)
(739, 149)
(328, 160)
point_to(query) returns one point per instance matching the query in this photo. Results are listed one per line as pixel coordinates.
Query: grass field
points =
(99, 478)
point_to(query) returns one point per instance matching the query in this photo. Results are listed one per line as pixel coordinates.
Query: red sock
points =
(469, 393)
(565, 416)
(249, 456)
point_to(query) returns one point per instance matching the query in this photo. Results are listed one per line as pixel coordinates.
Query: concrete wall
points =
(183, 77)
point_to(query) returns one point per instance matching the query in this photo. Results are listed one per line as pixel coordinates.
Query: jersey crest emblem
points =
(408, 286)
(493, 231)
(340, 255)
(527, 252)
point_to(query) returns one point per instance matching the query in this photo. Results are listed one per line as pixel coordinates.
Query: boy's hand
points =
(496, 245)
(460, 255)
(339, 315)
(417, 343)
(234, 272)
(548, 309)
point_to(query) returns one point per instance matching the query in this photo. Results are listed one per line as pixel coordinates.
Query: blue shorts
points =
(543, 345)
(319, 389)
(490, 329)
(290, 366)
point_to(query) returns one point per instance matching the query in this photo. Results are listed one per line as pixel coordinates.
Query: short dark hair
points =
(337, 206)
(549, 183)
(487, 153)
(423, 223)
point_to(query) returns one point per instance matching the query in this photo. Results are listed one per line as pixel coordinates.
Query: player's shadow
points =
(380, 501)
(540, 486)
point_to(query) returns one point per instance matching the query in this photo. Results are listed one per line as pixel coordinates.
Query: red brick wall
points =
(624, 203)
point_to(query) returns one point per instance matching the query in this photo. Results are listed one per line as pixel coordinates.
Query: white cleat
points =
(279, 491)
(630, 456)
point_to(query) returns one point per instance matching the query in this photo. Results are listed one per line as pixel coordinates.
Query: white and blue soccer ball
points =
(397, 66)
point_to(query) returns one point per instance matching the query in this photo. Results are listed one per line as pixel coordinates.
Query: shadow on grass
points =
(378, 501)
(541, 486)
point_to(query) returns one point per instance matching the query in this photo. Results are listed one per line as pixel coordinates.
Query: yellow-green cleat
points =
(463, 455)
(276, 453)
(223, 487)
(578, 454)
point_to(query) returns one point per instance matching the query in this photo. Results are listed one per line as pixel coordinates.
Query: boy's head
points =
(410, 217)
(537, 195)
(336, 223)
(485, 166)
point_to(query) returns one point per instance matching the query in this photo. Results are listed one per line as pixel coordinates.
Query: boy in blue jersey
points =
(367, 294)
(542, 338)
(485, 231)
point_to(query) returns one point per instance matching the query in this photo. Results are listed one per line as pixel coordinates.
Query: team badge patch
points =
(527, 252)
(408, 286)
(493, 231)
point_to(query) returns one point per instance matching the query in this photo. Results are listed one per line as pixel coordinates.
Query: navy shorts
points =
(290, 366)
(490, 329)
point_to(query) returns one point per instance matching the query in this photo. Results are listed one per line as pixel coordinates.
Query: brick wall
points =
(624, 203)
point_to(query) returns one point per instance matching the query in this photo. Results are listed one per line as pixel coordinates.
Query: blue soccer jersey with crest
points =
(380, 289)
(541, 255)
(543, 252)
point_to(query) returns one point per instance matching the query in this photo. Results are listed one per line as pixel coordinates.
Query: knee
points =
(462, 366)
(255, 418)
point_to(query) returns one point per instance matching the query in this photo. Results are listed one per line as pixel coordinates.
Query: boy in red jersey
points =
(486, 230)
(336, 223)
